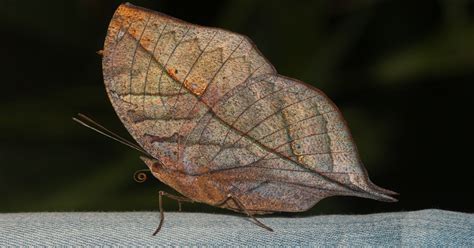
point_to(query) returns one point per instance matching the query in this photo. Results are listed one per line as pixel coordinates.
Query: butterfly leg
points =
(160, 203)
(242, 207)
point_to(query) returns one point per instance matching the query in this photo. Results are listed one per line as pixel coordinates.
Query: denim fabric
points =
(424, 228)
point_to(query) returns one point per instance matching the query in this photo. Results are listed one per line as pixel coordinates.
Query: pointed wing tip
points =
(384, 195)
(377, 195)
(387, 198)
(381, 194)
(391, 193)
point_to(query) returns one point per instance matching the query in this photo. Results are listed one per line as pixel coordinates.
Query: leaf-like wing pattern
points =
(218, 117)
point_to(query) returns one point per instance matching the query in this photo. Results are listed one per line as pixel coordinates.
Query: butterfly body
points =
(219, 120)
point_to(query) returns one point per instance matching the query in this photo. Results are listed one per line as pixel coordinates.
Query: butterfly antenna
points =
(89, 123)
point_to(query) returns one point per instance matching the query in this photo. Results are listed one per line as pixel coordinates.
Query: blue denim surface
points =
(426, 228)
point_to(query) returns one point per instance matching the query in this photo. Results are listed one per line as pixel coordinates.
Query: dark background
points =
(400, 71)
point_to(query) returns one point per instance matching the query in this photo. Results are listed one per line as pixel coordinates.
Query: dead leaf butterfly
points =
(220, 125)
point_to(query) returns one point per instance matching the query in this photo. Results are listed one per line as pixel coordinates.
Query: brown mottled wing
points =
(204, 101)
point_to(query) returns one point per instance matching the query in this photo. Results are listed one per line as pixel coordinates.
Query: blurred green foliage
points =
(401, 72)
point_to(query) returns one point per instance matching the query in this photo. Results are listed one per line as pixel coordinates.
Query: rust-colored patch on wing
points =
(196, 87)
(173, 73)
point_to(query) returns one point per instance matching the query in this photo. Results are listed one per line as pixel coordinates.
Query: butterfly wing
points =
(205, 102)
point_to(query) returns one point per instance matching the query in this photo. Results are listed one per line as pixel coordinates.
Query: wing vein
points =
(163, 71)
(189, 72)
(135, 52)
(152, 56)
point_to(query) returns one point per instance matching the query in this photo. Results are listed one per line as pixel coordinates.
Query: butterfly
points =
(219, 125)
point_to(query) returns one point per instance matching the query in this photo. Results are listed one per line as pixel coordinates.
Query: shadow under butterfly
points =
(219, 125)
